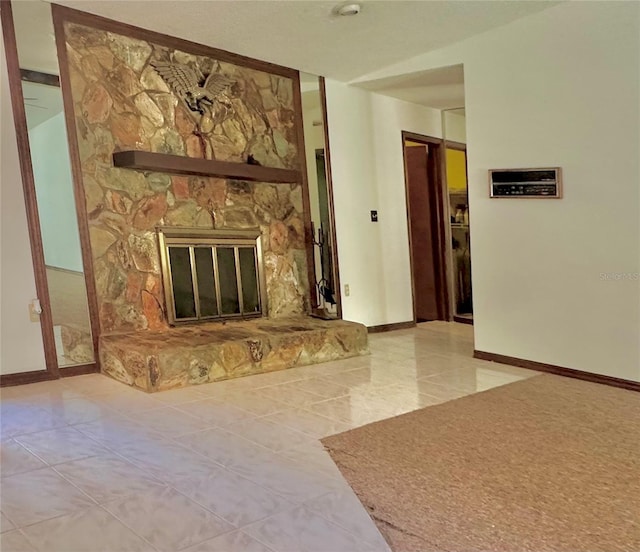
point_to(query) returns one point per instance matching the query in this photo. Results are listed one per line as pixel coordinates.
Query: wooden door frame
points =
(458, 146)
(33, 220)
(14, 74)
(438, 224)
(335, 268)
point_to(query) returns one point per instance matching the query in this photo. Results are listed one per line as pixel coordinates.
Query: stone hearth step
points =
(191, 355)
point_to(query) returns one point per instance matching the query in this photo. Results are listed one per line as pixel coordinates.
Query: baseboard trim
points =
(22, 378)
(462, 320)
(78, 370)
(558, 370)
(391, 327)
(66, 270)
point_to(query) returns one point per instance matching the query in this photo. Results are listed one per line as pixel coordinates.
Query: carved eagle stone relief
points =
(203, 96)
(198, 92)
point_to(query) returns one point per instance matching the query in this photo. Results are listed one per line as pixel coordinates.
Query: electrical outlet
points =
(347, 291)
(34, 316)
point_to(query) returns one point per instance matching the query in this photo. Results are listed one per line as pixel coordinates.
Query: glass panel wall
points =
(53, 181)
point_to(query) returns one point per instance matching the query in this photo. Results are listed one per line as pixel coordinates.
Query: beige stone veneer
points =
(191, 355)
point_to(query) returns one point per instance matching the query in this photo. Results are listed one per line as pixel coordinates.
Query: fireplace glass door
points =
(208, 278)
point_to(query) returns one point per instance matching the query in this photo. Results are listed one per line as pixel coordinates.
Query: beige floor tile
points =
(303, 529)
(14, 458)
(5, 524)
(106, 477)
(271, 435)
(439, 393)
(169, 421)
(167, 519)
(60, 445)
(180, 396)
(15, 541)
(322, 387)
(353, 409)
(344, 509)
(79, 410)
(118, 431)
(128, 401)
(90, 530)
(290, 394)
(255, 402)
(308, 422)
(29, 420)
(316, 458)
(293, 480)
(35, 496)
(168, 460)
(214, 412)
(222, 447)
(236, 541)
(233, 498)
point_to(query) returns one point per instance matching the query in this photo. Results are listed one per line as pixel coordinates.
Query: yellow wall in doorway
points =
(456, 170)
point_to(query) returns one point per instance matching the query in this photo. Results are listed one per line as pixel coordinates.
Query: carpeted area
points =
(545, 464)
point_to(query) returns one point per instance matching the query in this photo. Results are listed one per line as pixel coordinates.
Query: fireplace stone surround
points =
(119, 104)
(204, 353)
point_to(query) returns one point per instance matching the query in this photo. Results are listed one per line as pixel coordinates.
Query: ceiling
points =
(441, 88)
(303, 34)
(306, 36)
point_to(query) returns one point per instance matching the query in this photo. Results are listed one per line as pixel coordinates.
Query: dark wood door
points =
(423, 240)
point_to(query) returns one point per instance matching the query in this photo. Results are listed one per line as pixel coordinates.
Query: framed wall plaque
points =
(526, 183)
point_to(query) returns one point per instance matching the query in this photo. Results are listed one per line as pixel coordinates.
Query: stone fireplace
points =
(192, 218)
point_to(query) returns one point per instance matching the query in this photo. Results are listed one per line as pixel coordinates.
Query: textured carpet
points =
(545, 464)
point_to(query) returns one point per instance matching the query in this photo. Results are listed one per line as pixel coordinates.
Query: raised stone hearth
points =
(191, 355)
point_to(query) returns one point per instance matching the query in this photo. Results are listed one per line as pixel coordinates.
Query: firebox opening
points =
(211, 274)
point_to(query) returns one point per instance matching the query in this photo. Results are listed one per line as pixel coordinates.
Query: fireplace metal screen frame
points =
(199, 237)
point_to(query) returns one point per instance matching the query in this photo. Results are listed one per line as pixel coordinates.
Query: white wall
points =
(21, 348)
(368, 174)
(560, 87)
(454, 126)
(54, 188)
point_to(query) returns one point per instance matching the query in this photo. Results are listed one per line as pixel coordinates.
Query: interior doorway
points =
(457, 187)
(427, 217)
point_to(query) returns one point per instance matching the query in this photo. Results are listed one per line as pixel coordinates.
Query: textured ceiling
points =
(441, 88)
(306, 36)
(302, 34)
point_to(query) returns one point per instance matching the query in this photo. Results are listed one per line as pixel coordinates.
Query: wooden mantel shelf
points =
(178, 164)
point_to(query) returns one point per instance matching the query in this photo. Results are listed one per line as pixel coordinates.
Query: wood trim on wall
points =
(78, 370)
(558, 370)
(439, 227)
(391, 327)
(444, 243)
(22, 378)
(38, 77)
(455, 145)
(179, 164)
(90, 20)
(335, 266)
(30, 199)
(58, 13)
(306, 202)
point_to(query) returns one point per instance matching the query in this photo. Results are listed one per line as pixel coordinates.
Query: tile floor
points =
(90, 465)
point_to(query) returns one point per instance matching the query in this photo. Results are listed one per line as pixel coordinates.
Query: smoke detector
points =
(351, 8)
